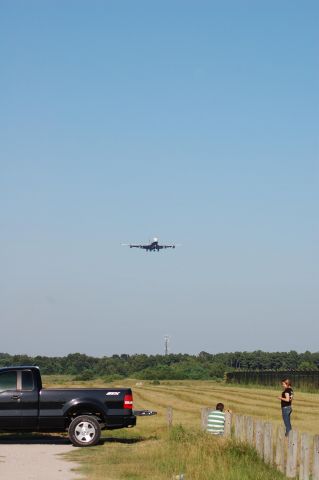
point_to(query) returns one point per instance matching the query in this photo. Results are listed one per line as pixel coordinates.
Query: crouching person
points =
(216, 420)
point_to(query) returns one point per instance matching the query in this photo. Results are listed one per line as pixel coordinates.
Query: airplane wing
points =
(131, 245)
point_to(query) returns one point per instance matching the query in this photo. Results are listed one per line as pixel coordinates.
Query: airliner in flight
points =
(153, 246)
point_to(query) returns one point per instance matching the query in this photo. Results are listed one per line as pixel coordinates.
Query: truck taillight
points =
(128, 401)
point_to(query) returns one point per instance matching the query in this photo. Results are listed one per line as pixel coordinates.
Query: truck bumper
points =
(130, 421)
(120, 422)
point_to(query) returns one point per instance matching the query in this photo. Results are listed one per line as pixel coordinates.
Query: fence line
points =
(302, 458)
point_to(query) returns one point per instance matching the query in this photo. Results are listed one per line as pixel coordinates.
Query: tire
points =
(84, 431)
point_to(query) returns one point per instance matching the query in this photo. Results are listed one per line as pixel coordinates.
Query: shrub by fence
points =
(304, 380)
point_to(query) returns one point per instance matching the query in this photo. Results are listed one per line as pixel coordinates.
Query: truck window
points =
(8, 381)
(27, 380)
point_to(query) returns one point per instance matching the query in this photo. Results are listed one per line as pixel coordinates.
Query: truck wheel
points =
(84, 431)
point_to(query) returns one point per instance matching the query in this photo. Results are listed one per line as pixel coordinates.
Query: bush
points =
(113, 378)
(85, 376)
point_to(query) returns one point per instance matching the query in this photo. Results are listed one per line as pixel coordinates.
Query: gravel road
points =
(35, 458)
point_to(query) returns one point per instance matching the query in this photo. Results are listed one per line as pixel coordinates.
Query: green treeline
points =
(166, 367)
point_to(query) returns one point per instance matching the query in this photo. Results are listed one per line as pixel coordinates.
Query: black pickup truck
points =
(27, 407)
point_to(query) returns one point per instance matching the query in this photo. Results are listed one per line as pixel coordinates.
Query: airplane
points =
(153, 246)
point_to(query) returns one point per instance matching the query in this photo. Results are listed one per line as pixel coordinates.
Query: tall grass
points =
(196, 454)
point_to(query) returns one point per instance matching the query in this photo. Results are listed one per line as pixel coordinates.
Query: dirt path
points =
(35, 459)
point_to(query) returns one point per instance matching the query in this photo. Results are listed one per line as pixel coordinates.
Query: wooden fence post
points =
(291, 469)
(243, 436)
(304, 457)
(204, 417)
(280, 450)
(228, 424)
(268, 443)
(240, 428)
(169, 416)
(315, 465)
(259, 438)
(249, 424)
(237, 426)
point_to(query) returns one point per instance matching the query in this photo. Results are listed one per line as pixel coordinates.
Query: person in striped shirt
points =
(216, 420)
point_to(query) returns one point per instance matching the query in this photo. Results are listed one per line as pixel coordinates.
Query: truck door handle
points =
(16, 397)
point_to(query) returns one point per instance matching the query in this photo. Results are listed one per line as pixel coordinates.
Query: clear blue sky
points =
(195, 121)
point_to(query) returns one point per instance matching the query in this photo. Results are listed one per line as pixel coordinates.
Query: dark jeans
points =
(286, 412)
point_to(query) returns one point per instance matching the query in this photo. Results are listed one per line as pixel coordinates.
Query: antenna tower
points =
(166, 339)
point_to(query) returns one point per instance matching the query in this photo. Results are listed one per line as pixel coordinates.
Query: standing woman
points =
(286, 401)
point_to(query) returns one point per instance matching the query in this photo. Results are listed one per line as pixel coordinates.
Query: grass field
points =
(149, 451)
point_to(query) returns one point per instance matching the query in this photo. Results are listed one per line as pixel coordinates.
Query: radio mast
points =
(166, 339)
